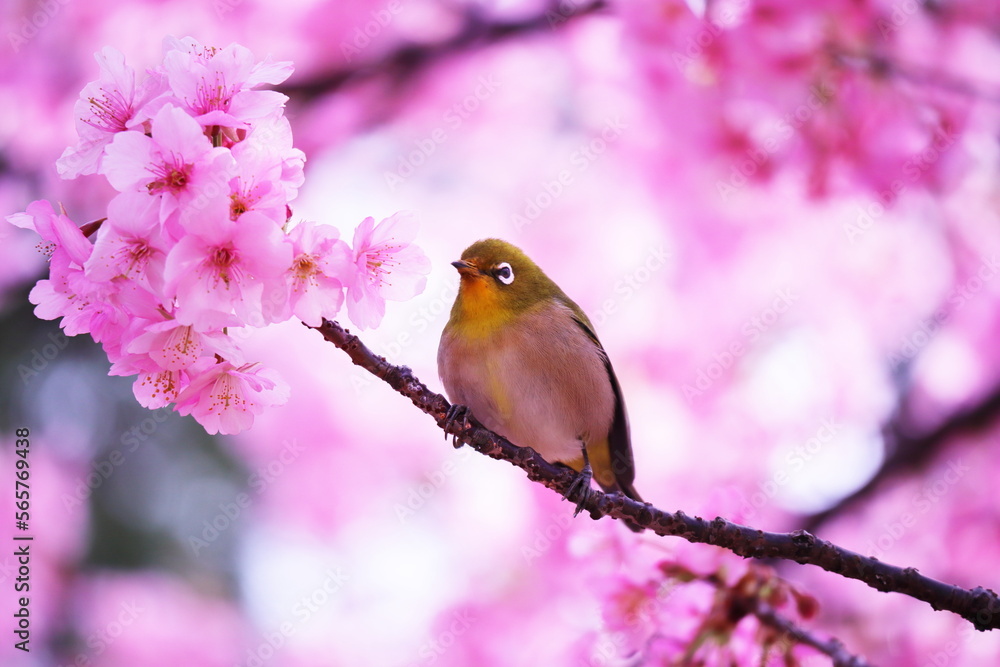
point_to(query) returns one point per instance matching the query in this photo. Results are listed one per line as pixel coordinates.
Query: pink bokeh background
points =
(782, 218)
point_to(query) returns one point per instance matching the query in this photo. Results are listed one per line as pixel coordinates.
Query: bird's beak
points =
(466, 268)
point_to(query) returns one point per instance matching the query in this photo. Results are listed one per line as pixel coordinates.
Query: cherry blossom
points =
(174, 346)
(226, 267)
(257, 183)
(170, 165)
(54, 297)
(320, 261)
(60, 235)
(215, 85)
(224, 398)
(130, 243)
(107, 107)
(385, 266)
(195, 243)
(843, 152)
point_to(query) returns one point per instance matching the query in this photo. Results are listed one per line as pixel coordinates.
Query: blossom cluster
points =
(844, 103)
(197, 245)
(705, 604)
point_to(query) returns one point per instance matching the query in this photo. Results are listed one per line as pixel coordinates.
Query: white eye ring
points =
(504, 273)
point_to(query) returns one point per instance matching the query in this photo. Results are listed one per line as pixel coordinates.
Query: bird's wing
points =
(619, 440)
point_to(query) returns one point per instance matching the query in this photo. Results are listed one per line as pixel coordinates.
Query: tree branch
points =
(907, 452)
(879, 65)
(755, 594)
(833, 648)
(979, 606)
(479, 30)
(408, 58)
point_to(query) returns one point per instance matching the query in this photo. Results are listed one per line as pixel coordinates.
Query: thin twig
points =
(907, 452)
(979, 606)
(881, 65)
(477, 31)
(752, 595)
(832, 647)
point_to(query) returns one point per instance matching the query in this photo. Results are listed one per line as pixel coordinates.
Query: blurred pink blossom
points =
(840, 150)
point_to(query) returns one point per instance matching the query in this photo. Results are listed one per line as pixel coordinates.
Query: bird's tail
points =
(630, 491)
(608, 478)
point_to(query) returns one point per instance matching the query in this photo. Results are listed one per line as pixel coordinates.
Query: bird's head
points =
(498, 281)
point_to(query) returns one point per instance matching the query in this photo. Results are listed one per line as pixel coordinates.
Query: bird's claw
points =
(455, 414)
(580, 488)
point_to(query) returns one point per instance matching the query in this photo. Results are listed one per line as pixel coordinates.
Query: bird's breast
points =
(540, 381)
(478, 312)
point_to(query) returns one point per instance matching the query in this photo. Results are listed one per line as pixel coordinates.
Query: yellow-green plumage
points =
(525, 360)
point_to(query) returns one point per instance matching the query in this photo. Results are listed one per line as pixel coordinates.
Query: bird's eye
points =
(504, 273)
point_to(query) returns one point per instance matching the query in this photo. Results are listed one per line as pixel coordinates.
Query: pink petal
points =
(126, 160)
(82, 159)
(177, 132)
(398, 229)
(363, 235)
(251, 104)
(267, 71)
(365, 310)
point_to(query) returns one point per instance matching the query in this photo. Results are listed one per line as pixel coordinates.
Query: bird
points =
(523, 359)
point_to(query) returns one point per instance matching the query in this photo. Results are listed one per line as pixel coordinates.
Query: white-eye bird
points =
(525, 361)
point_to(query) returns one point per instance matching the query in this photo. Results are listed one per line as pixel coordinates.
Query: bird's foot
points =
(580, 489)
(456, 413)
